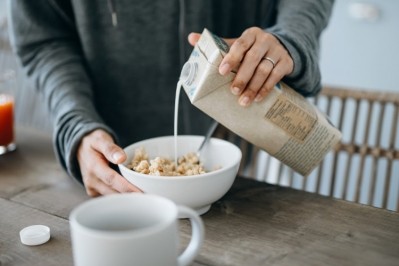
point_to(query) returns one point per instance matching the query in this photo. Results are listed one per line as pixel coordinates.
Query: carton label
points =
(222, 45)
(288, 116)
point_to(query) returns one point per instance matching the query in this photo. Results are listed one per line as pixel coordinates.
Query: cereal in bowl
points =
(188, 164)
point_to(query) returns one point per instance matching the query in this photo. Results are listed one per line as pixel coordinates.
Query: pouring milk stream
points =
(284, 124)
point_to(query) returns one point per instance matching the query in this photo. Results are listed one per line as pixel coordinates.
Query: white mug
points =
(132, 229)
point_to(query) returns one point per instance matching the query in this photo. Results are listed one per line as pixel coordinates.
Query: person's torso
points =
(135, 65)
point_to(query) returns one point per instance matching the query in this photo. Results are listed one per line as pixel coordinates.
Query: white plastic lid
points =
(35, 235)
(189, 72)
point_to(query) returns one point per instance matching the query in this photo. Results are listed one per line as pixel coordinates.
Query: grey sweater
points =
(122, 78)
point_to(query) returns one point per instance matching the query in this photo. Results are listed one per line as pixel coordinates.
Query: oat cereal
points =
(188, 164)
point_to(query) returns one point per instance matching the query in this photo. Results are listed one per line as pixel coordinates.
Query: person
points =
(107, 70)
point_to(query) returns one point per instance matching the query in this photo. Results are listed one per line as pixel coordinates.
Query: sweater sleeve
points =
(298, 27)
(44, 39)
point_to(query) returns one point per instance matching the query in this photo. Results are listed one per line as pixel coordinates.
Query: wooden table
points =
(254, 224)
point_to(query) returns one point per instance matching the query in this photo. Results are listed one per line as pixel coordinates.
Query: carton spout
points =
(200, 75)
(188, 73)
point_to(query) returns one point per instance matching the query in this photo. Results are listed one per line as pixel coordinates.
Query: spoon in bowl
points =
(208, 136)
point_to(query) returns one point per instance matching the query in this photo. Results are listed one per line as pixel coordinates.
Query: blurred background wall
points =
(29, 109)
(360, 45)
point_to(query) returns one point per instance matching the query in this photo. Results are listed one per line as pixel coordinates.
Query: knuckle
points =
(125, 187)
(262, 91)
(281, 50)
(252, 30)
(109, 179)
(232, 58)
(266, 38)
(277, 73)
(91, 192)
(242, 44)
(89, 185)
(110, 148)
(266, 89)
(93, 137)
(86, 140)
(251, 91)
(246, 32)
(87, 180)
(239, 83)
(252, 55)
(98, 134)
(264, 69)
(102, 136)
(287, 60)
(252, 88)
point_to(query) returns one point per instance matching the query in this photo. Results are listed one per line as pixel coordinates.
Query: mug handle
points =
(197, 236)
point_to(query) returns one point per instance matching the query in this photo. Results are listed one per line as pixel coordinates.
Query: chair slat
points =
(362, 152)
(392, 145)
(335, 158)
(345, 182)
(361, 121)
(376, 155)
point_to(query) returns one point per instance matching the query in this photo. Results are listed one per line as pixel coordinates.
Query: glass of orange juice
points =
(7, 138)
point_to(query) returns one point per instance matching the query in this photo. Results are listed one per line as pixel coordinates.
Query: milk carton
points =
(284, 124)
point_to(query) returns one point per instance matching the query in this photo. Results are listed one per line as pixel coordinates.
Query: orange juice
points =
(6, 120)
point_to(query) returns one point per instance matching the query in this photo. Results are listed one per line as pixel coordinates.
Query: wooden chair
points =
(363, 168)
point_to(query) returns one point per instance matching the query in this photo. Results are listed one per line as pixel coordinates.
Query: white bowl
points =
(197, 191)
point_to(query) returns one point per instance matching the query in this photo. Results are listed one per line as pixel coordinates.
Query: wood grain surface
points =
(254, 224)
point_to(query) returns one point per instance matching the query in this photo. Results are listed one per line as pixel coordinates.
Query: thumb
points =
(193, 38)
(117, 154)
(104, 143)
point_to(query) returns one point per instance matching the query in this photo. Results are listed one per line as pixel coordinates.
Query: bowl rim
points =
(223, 169)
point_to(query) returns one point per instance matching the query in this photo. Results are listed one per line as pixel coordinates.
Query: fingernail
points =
(244, 101)
(117, 156)
(224, 69)
(258, 98)
(235, 90)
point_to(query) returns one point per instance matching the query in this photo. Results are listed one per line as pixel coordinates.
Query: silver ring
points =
(270, 60)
